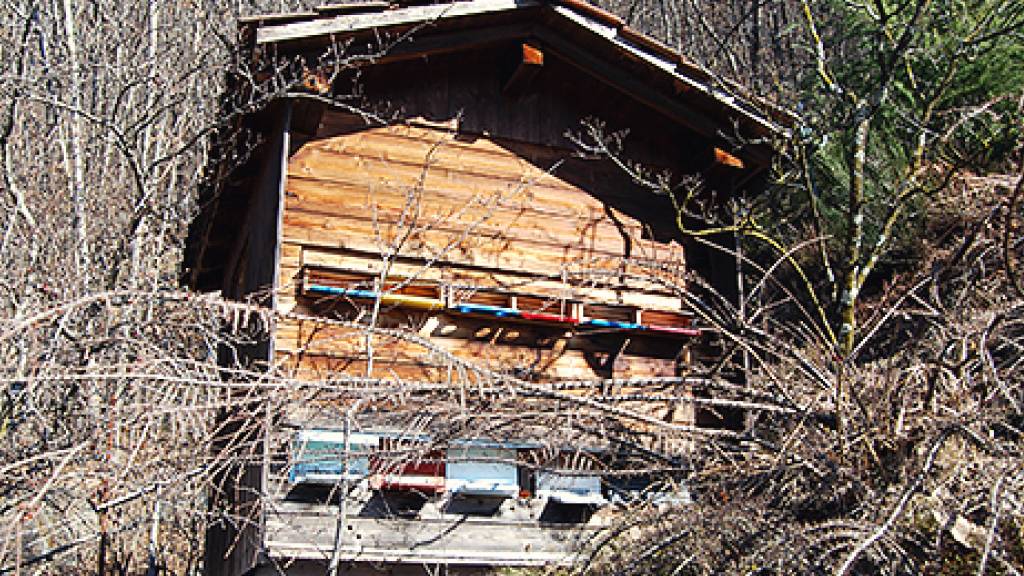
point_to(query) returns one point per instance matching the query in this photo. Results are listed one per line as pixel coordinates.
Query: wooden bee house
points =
(474, 200)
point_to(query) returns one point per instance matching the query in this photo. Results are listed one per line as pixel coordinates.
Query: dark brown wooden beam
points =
(423, 44)
(641, 91)
(306, 115)
(603, 16)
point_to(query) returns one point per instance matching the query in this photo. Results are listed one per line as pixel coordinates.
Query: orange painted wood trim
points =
(532, 55)
(725, 159)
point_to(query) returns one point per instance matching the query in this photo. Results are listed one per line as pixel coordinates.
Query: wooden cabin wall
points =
(470, 88)
(468, 201)
(468, 92)
(482, 188)
(459, 209)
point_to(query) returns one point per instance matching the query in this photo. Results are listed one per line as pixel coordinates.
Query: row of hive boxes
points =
(506, 305)
(465, 468)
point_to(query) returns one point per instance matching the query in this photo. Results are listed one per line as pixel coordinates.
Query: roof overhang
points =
(594, 40)
(742, 130)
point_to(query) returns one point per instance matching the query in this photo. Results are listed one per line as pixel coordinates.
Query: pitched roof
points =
(565, 25)
(588, 38)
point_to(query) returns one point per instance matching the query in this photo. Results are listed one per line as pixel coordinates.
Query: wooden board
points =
(470, 212)
(319, 351)
(424, 193)
(634, 284)
(503, 201)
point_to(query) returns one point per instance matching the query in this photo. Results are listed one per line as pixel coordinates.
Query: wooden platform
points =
(452, 533)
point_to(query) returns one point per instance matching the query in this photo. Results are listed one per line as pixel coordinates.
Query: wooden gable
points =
(461, 66)
(436, 188)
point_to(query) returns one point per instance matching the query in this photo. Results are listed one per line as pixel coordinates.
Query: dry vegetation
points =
(926, 476)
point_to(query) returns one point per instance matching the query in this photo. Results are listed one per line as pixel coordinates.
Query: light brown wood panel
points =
(608, 280)
(320, 198)
(477, 246)
(535, 191)
(500, 348)
(324, 367)
(602, 288)
(334, 123)
(313, 161)
(350, 188)
(646, 295)
(488, 215)
(434, 149)
(468, 251)
(361, 189)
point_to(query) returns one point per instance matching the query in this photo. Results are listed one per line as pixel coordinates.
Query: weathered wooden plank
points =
(440, 152)
(462, 172)
(457, 249)
(318, 367)
(459, 539)
(500, 235)
(485, 235)
(512, 197)
(591, 279)
(506, 348)
(357, 22)
(467, 155)
(631, 292)
(339, 196)
(591, 236)
(417, 170)
(352, 7)
(336, 122)
(462, 251)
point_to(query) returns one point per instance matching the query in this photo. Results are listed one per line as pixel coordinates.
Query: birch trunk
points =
(76, 176)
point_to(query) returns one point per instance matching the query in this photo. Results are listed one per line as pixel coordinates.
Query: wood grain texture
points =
(472, 213)
(438, 196)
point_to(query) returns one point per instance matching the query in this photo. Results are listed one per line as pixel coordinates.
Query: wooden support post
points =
(530, 63)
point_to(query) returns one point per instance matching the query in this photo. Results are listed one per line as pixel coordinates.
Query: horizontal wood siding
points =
(465, 211)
